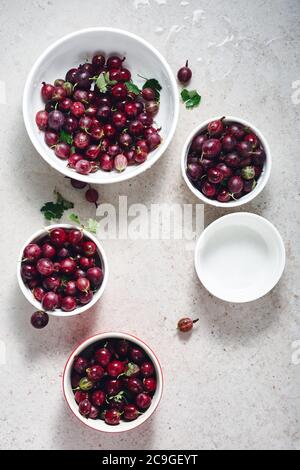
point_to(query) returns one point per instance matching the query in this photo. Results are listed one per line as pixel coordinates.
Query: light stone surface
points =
(232, 384)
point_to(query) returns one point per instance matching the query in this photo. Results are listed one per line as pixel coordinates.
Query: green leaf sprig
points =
(55, 210)
(103, 82)
(65, 137)
(91, 225)
(191, 98)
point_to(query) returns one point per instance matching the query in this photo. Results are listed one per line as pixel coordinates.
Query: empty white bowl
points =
(58, 312)
(262, 181)
(240, 257)
(75, 48)
(98, 424)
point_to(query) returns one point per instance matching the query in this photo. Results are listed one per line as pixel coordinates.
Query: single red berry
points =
(186, 324)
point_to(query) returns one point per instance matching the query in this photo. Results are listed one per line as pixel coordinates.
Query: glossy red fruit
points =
(149, 384)
(39, 320)
(98, 398)
(95, 373)
(147, 369)
(103, 357)
(143, 401)
(184, 74)
(208, 189)
(134, 385)
(50, 301)
(68, 303)
(216, 128)
(47, 91)
(186, 324)
(58, 237)
(211, 148)
(95, 275)
(29, 272)
(75, 236)
(83, 167)
(112, 417)
(227, 172)
(38, 293)
(45, 267)
(41, 119)
(113, 386)
(32, 252)
(85, 297)
(223, 195)
(136, 355)
(80, 396)
(83, 284)
(115, 368)
(215, 175)
(89, 248)
(80, 364)
(68, 266)
(235, 184)
(130, 412)
(228, 143)
(85, 407)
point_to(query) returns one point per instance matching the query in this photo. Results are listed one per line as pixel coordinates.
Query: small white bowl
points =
(141, 57)
(58, 312)
(262, 181)
(240, 257)
(98, 424)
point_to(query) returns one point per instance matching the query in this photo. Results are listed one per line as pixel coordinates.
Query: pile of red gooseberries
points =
(63, 270)
(99, 127)
(113, 380)
(225, 161)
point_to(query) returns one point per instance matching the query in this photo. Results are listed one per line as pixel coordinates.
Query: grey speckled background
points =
(232, 384)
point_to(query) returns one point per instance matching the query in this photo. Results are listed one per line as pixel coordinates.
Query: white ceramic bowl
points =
(75, 48)
(98, 424)
(262, 181)
(58, 312)
(240, 257)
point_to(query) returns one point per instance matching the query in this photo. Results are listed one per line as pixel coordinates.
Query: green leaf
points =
(52, 211)
(65, 137)
(92, 226)
(74, 218)
(55, 210)
(132, 88)
(191, 98)
(152, 83)
(101, 83)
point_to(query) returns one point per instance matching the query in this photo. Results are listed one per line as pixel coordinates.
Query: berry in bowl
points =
(63, 270)
(226, 162)
(101, 117)
(113, 382)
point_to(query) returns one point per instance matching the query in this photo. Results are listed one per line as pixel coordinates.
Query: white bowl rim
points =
(233, 216)
(159, 376)
(58, 312)
(248, 197)
(91, 178)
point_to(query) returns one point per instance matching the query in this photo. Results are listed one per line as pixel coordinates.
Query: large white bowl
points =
(58, 312)
(262, 181)
(98, 424)
(240, 257)
(75, 48)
